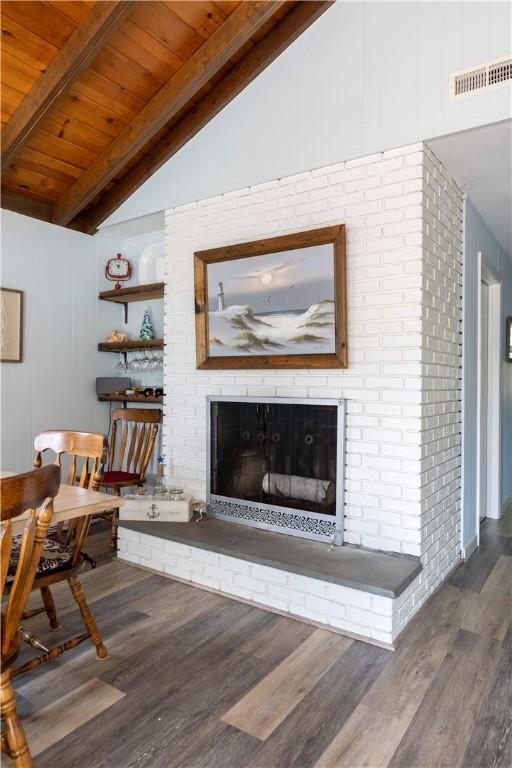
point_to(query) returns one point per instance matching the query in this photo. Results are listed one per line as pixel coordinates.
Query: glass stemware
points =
(122, 365)
(145, 362)
(135, 363)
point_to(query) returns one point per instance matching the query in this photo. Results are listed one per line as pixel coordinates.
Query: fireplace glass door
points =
(279, 454)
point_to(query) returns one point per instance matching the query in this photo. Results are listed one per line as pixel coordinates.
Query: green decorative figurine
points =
(146, 331)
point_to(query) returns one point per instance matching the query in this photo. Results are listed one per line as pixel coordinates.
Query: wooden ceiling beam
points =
(195, 73)
(264, 52)
(76, 53)
(28, 206)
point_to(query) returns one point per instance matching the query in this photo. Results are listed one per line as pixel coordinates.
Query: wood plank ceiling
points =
(96, 96)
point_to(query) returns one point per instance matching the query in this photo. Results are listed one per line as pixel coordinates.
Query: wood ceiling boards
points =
(96, 96)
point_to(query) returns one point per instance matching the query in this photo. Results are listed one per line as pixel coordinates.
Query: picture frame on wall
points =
(11, 318)
(508, 340)
(279, 302)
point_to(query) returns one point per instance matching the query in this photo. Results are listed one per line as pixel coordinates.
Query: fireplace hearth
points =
(278, 463)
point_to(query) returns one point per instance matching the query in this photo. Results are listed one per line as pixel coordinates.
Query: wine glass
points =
(145, 362)
(122, 365)
(135, 364)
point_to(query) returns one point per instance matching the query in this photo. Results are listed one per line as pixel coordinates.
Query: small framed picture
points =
(508, 340)
(274, 303)
(11, 315)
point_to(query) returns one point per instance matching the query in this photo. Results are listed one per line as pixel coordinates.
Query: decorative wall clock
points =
(118, 269)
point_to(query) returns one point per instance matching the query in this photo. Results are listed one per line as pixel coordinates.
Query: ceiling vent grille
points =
(484, 77)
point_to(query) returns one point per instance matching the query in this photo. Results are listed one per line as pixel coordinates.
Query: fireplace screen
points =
(276, 454)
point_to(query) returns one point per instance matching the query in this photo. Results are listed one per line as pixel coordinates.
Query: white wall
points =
(60, 272)
(479, 238)
(366, 77)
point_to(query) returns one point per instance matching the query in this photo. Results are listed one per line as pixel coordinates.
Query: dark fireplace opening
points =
(282, 454)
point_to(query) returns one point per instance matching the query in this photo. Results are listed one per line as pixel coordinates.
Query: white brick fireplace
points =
(403, 216)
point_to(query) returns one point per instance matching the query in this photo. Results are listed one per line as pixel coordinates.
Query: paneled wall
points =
(60, 272)
(366, 77)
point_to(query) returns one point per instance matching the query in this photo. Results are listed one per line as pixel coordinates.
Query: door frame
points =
(487, 275)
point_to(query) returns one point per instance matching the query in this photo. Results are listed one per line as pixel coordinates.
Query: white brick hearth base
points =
(350, 611)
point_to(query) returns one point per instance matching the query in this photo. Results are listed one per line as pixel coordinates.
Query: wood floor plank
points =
(277, 641)
(178, 698)
(223, 747)
(488, 612)
(444, 721)
(368, 739)
(130, 639)
(266, 706)
(400, 689)
(473, 574)
(171, 650)
(83, 656)
(313, 724)
(97, 583)
(206, 691)
(500, 578)
(56, 721)
(490, 744)
(109, 611)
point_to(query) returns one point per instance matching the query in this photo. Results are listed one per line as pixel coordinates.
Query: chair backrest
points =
(32, 492)
(136, 429)
(88, 456)
(87, 449)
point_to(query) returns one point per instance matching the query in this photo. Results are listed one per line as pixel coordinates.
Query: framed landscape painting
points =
(274, 303)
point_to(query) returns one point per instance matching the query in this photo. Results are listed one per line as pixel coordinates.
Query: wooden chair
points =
(128, 462)
(62, 557)
(32, 492)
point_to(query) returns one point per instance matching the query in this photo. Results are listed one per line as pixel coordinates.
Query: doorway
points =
(489, 395)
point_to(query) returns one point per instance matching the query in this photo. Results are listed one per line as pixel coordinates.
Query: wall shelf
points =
(126, 346)
(130, 399)
(125, 296)
(146, 292)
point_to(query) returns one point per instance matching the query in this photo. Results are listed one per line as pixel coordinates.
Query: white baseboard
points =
(470, 548)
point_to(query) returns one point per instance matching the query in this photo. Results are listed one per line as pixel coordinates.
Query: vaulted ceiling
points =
(96, 96)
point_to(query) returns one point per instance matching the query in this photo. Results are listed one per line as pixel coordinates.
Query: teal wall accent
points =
(479, 238)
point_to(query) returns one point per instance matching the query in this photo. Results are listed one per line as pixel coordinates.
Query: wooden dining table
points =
(71, 502)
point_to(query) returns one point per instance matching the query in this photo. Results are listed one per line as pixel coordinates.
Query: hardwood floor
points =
(196, 680)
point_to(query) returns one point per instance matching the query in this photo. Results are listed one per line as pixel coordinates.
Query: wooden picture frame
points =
(11, 314)
(337, 357)
(508, 339)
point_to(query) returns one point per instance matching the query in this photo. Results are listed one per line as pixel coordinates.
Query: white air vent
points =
(484, 77)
